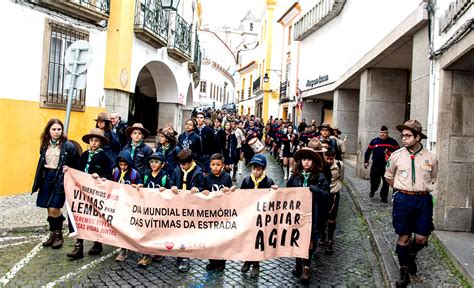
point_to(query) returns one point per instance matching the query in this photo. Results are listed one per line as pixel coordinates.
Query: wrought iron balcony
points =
(284, 97)
(92, 11)
(194, 65)
(179, 44)
(256, 85)
(152, 23)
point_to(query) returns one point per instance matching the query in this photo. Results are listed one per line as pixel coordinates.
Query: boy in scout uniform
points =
(411, 171)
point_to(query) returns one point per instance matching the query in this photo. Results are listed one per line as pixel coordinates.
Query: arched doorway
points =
(156, 90)
(188, 107)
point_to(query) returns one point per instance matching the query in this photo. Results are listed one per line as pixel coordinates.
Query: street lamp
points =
(170, 5)
(265, 78)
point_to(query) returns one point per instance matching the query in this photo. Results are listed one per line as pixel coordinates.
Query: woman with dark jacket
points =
(307, 172)
(189, 139)
(55, 152)
(113, 148)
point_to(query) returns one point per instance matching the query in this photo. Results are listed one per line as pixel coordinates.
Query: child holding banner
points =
(217, 180)
(307, 172)
(158, 179)
(337, 172)
(96, 162)
(125, 174)
(188, 176)
(256, 180)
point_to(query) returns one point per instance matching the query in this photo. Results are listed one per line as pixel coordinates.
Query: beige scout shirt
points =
(337, 176)
(52, 157)
(399, 169)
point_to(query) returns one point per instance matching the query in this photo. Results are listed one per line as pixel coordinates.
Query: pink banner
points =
(247, 224)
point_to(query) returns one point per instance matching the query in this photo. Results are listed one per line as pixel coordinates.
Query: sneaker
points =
(145, 261)
(184, 265)
(255, 270)
(372, 194)
(210, 267)
(122, 255)
(384, 200)
(96, 249)
(245, 267)
(157, 257)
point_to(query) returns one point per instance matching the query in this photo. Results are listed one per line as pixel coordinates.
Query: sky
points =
(229, 12)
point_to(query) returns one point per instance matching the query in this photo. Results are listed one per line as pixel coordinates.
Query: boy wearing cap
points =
(95, 162)
(411, 171)
(382, 147)
(256, 180)
(139, 151)
(155, 178)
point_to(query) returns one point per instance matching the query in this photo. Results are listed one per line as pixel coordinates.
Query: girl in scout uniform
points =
(411, 171)
(93, 161)
(55, 153)
(307, 172)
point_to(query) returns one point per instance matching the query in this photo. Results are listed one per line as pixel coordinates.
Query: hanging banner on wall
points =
(247, 224)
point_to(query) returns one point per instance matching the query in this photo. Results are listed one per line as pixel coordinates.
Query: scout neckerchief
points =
(193, 165)
(412, 157)
(164, 148)
(306, 176)
(54, 143)
(256, 182)
(89, 159)
(135, 147)
(122, 176)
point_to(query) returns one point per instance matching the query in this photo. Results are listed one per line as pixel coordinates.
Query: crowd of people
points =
(205, 158)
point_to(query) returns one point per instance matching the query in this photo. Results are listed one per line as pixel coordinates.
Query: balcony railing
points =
(194, 66)
(256, 85)
(152, 23)
(179, 46)
(284, 97)
(92, 11)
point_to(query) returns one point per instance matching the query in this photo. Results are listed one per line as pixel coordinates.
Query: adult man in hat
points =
(381, 148)
(411, 171)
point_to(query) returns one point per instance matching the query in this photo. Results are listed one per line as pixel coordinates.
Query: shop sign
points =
(319, 80)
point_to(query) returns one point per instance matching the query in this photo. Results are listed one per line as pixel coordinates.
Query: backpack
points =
(163, 180)
(133, 176)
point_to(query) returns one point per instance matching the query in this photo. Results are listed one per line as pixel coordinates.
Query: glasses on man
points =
(406, 135)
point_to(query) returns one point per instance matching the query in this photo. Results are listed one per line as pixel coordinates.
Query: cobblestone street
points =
(353, 263)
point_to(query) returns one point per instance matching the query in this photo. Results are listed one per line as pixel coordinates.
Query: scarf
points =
(89, 159)
(122, 177)
(256, 182)
(412, 157)
(193, 165)
(306, 176)
(164, 149)
(135, 147)
(54, 143)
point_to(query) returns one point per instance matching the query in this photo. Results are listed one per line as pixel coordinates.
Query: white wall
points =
(21, 54)
(341, 42)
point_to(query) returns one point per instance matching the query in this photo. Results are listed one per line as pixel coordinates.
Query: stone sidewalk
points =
(19, 213)
(435, 269)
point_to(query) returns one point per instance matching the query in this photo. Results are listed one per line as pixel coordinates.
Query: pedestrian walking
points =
(94, 161)
(381, 148)
(55, 153)
(257, 180)
(411, 171)
(187, 176)
(230, 148)
(240, 136)
(206, 136)
(337, 176)
(307, 172)
(289, 145)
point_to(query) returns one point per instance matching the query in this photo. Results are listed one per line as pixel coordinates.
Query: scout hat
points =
(158, 156)
(97, 133)
(170, 135)
(103, 116)
(137, 126)
(326, 125)
(337, 131)
(414, 126)
(314, 147)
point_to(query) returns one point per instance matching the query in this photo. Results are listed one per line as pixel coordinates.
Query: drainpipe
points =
(433, 88)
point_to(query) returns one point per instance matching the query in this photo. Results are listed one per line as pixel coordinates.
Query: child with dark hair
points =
(217, 180)
(125, 174)
(139, 150)
(307, 172)
(188, 176)
(337, 176)
(258, 179)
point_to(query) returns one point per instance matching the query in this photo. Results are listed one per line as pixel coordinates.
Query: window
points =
(289, 35)
(203, 87)
(53, 94)
(251, 26)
